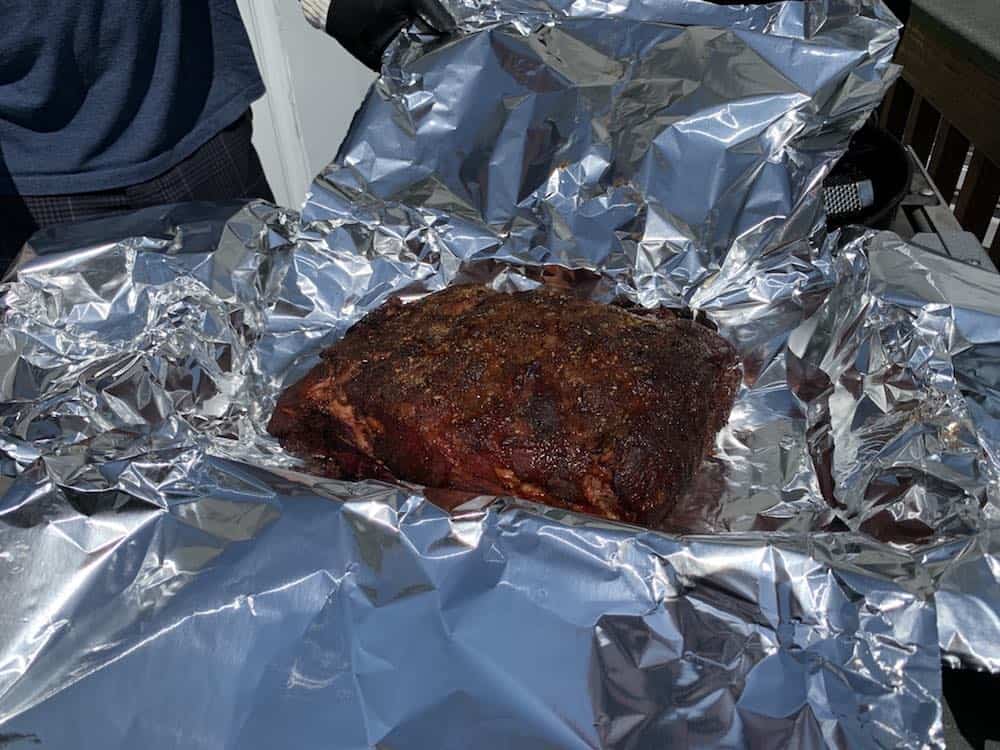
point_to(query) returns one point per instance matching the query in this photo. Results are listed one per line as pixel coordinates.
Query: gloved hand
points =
(366, 27)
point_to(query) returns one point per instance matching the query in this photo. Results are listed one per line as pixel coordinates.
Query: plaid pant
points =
(225, 168)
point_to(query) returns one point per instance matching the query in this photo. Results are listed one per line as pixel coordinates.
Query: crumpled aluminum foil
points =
(178, 583)
(254, 612)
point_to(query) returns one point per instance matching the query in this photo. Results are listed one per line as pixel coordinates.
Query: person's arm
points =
(366, 27)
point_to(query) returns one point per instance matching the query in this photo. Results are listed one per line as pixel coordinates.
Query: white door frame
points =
(277, 129)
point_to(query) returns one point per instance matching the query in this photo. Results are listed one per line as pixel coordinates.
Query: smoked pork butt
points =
(535, 394)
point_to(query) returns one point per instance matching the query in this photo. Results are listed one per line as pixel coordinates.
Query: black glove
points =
(366, 27)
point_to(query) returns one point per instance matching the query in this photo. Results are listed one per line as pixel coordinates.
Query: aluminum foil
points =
(171, 579)
(255, 612)
(163, 594)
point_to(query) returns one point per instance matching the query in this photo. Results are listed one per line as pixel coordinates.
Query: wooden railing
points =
(947, 108)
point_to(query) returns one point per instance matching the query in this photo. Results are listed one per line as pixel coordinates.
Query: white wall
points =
(314, 88)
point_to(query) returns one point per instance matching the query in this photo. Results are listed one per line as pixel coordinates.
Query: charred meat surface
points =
(535, 394)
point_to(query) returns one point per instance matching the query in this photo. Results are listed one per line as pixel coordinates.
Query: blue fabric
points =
(99, 94)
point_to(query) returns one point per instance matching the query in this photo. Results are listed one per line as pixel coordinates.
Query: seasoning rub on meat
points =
(535, 394)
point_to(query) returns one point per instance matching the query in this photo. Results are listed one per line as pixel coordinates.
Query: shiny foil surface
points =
(170, 578)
